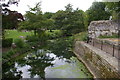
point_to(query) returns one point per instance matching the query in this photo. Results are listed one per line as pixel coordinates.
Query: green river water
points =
(46, 63)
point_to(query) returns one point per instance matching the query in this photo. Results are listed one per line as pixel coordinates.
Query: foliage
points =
(70, 21)
(19, 43)
(34, 20)
(62, 46)
(48, 15)
(9, 54)
(36, 41)
(97, 12)
(114, 9)
(59, 19)
(81, 36)
(32, 38)
(113, 6)
(10, 19)
(7, 42)
(54, 34)
(86, 24)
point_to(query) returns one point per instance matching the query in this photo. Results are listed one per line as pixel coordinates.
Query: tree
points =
(59, 19)
(114, 9)
(10, 19)
(97, 12)
(69, 21)
(34, 20)
(48, 15)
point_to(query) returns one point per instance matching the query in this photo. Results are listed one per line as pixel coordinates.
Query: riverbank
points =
(80, 58)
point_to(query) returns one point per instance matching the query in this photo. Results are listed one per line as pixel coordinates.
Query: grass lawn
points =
(16, 34)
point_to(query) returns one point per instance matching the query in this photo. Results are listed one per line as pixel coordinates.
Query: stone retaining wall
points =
(102, 65)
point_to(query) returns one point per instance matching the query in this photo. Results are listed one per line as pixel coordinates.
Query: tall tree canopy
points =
(10, 19)
(97, 12)
(69, 21)
(48, 15)
(114, 9)
(34, 20)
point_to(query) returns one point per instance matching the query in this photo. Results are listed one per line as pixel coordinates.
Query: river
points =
(55, 62)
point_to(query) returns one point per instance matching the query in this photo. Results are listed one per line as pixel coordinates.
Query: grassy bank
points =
(16, 34)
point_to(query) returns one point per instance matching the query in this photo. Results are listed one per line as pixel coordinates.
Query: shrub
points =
(81, 36)
(8, 54)
(7, 42)
(19, 43)
(11, 52)
(85, 37)
(32, 38)
(53, 35)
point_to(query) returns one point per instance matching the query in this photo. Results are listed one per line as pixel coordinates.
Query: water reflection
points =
(10, 71)
(38, 63)
(54, 61)
(34, 63)
(62, 48)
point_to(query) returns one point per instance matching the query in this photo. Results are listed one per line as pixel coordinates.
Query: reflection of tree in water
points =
(38, 64)
(38, 61)
(10, 71)
(62, 47)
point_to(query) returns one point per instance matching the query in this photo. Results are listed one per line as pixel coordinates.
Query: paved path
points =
(109, 58)
(107, 48)
(113, 61)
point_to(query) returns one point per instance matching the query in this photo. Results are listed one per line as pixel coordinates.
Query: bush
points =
(32, 38)
(53, 35)
(19, 43)
(11, 52)
(7, 42)
(8, 55)
(81, 36)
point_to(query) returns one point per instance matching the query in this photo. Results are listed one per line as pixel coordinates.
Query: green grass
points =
(16, 34)
(54, 32)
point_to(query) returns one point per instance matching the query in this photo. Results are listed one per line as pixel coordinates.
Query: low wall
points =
(109, 47)
(102, 65)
